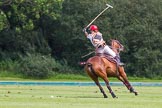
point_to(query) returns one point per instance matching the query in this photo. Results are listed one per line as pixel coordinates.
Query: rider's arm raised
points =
(85, 32)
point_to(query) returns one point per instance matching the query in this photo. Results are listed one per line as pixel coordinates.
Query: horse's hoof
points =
(105, 96)
(113, 95)
(136, 93)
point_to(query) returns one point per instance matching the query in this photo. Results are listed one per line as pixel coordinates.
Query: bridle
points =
(121, 47)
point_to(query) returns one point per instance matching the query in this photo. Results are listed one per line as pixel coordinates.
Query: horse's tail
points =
(90, 69)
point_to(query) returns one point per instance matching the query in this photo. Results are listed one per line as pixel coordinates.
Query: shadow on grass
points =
(82, 97)
(77, 96)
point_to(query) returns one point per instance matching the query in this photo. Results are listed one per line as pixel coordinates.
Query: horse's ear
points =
(109, 41)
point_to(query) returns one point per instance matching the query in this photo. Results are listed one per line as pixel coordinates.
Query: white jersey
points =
(95, 40)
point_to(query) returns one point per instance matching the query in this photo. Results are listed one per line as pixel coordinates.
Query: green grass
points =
(77, 97)
(4, 75)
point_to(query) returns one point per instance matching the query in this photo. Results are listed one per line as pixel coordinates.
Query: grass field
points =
(77, 97)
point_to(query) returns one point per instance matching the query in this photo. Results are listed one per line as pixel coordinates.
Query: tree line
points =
(54, 28)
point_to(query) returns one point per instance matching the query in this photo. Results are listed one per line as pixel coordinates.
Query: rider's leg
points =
(108, 50)
(117, 58)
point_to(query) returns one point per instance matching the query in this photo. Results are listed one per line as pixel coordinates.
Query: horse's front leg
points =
(130, 88)
(123, 77)
(127, 84)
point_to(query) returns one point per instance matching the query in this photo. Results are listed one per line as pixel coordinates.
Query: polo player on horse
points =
(100, 46)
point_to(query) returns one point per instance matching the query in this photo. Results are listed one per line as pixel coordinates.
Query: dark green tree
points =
(25, 25)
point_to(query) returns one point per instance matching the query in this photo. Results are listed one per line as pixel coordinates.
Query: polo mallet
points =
(108, 6)
(88, 54)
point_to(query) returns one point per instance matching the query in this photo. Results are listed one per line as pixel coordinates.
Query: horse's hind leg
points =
(94, 77)
(109, 88)
(103, 75)
(101, 89)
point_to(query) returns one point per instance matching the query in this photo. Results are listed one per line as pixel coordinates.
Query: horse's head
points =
(116, 46)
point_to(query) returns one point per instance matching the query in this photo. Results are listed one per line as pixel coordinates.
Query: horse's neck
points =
(115, 49)
(116, 46)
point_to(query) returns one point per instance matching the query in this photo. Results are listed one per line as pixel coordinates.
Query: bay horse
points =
(99, 66)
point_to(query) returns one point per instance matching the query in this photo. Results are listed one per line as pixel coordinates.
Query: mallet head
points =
(109, 5)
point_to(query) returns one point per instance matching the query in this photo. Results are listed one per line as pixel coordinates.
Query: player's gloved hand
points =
(85, 30)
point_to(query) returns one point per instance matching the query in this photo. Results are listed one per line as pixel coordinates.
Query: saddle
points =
(108, 57)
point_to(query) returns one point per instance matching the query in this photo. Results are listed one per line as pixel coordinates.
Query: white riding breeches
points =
(107, 50)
